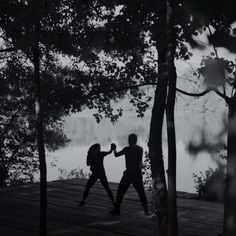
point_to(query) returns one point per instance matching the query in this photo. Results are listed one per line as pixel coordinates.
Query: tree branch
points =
(177, 89)
(148, 84)
(96, 93)
(225, 97)
(193, 94)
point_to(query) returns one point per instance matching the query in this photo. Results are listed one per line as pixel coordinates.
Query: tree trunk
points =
(40, 135)
(172, 206)
(230, 188)
(170, 121)
(155, 136)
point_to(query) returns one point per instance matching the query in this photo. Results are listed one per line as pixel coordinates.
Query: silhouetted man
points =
(132, 175)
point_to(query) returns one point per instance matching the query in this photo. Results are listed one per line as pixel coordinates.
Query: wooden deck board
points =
(19, 212)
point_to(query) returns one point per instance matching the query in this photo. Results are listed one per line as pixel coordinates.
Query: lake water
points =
(83, 131)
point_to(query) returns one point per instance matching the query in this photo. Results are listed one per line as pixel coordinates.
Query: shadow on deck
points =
(19, 213)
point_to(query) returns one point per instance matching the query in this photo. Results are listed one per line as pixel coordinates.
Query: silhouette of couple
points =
(132, 175)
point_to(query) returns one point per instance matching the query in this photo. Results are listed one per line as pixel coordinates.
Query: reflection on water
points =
(84, 131)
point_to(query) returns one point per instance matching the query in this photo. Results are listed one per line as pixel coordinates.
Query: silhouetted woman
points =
(95, 161)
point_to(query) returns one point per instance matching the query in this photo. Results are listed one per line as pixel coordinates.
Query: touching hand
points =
(113, 146)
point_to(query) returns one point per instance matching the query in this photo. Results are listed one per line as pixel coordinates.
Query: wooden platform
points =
(19, 212)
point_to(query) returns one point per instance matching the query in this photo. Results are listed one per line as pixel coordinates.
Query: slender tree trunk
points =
(40, 135)
(230, 188)
(172, 206)
(170, 121)
(155, 137)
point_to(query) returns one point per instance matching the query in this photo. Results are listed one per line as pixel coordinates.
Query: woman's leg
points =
(105, 184)
(92, 179)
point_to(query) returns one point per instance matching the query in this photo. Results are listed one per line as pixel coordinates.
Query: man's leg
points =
(138, 185)
(105, 184)
(92, 179)
(122, 188)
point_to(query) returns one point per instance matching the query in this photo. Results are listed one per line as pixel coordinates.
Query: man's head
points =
(132, 139)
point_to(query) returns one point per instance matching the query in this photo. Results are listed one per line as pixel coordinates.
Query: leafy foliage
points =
(210, 184)
(217, 15)
(218, 71)
(75, 173)
(56, 39)
(18, 145)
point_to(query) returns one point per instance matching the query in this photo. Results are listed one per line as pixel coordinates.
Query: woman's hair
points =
(93, 148)
(90, 153)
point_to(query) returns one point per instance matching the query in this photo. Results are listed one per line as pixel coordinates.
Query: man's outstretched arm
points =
(117, 154)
